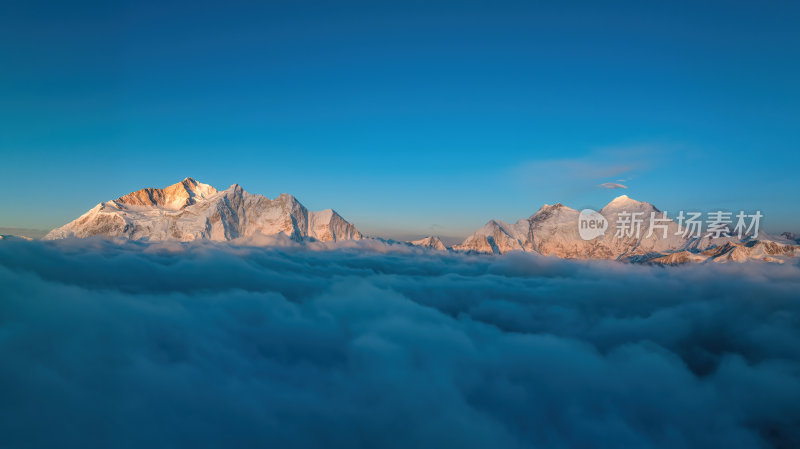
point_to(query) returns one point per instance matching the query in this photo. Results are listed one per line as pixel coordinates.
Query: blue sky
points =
(409, 118)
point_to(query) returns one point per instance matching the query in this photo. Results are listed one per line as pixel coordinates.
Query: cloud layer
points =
(130, 345)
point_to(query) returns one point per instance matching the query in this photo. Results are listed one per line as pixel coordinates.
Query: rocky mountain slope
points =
(190, 210)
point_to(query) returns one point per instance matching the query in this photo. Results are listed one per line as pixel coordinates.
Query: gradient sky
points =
(409, 118)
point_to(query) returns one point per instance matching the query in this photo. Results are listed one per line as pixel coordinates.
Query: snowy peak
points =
(174, 197)
(499, 238)
(430, 242)
(327, 225)
(548, 210)
(546, 207)
(628, 204)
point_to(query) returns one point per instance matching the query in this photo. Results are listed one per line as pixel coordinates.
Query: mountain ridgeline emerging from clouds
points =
(553, 230)
(190, 210)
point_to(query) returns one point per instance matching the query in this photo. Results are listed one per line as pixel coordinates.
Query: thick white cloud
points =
(130, 345)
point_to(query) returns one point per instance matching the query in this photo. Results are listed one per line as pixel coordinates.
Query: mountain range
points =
(553, 230)
(190, 210)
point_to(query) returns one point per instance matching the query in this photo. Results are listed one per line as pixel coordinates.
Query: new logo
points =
(591, 224)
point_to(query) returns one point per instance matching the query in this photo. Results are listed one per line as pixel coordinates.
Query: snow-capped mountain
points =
(430, 242)
(553, 230)
(190, 210)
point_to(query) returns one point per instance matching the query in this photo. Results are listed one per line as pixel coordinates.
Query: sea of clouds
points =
(127, 345)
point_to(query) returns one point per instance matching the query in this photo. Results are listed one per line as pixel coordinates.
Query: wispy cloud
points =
(612, 185)
(607, 167)
(570, 170)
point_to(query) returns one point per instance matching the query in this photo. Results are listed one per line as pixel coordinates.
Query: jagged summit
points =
(430, 242)
(190, 210)
(174, 197)
(548, 210)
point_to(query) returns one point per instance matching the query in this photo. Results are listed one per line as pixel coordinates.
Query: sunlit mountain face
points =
(190, 210)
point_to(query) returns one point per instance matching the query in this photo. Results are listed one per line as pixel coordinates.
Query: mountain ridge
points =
(553, 230)
(190, 210)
